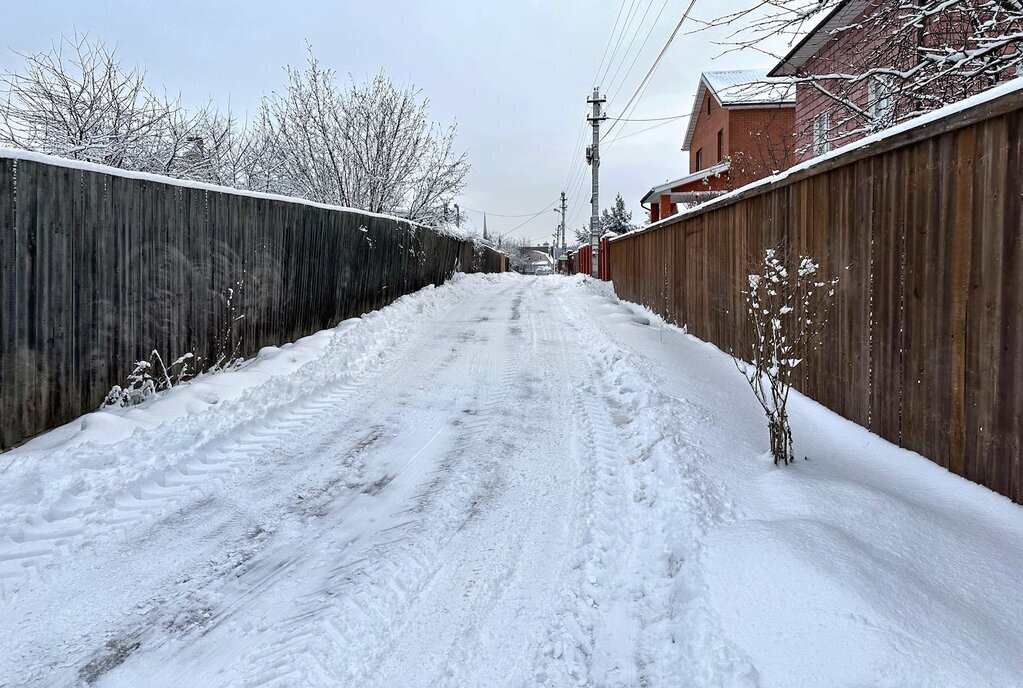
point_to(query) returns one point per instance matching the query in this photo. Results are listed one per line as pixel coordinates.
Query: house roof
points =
(843, 14)
(712, 171)
(740, 88)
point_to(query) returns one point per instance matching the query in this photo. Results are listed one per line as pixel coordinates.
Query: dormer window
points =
(699, 160)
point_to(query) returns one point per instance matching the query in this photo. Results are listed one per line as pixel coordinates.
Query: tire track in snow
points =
(637, 573)
(366, 579)
(270, 452)
(375, 584)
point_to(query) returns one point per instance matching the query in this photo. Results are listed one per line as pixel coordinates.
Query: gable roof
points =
(712, 171)
(843, 14)
(740, 88)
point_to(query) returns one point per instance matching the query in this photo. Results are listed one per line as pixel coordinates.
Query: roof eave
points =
(712, 171)
(791, 63)
(694, 114)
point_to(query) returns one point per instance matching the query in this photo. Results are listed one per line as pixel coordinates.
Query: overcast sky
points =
(513, 75)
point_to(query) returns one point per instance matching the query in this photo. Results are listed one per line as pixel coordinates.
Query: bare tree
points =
(370, 146)
(78, 102)
(787, 307)
(911, 56)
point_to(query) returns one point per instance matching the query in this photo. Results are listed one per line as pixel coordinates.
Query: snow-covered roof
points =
(1005, 89)
(712, 171)
(749, 87)
(843, 14)
(740, 88)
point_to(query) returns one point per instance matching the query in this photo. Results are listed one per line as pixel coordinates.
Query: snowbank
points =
(864, 564)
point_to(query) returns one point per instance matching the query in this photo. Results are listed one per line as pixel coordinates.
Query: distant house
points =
(740, 130)
(842, 89)
(533, 260)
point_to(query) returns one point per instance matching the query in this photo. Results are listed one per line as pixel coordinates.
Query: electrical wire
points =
(632, 41)
(648, 119)
(619, 138)
(639, 52)
(474, 210)
(618, 43)
(657, 61)
(607, 45)
(531, 218)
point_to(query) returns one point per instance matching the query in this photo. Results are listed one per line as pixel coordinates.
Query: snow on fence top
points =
(1010, 88)
(15, 154)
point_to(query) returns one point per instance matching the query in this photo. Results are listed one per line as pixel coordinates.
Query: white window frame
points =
(881, 100)
(821, 129)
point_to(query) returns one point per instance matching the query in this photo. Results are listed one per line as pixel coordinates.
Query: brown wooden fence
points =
(925, 345)
(99, 268)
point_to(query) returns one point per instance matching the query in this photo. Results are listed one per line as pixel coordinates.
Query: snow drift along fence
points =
(99, 267)
(925, 345)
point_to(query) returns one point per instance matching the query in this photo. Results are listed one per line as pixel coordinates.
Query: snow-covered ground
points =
(505, 481)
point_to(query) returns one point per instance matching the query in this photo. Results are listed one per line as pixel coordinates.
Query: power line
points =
(649, 119)
(531, 218)
(607, 45)
(618, 43)
(639, 52)
(618, 138)
(635, 34)
(646, 79)
(499, 214)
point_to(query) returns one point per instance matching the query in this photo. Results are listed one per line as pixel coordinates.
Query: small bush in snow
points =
(150, 377)
(787, 304)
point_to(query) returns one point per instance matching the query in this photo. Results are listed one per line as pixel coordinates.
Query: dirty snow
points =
(504, 481)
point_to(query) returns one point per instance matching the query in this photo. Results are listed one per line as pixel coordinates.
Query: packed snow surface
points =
(504, 481)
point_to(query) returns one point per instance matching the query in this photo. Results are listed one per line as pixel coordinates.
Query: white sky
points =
(513, 75)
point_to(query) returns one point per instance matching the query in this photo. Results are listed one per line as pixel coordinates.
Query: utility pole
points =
(564, 206)
(593, 158)
(560, 242)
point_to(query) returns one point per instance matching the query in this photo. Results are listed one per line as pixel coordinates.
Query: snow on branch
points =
(787, 303)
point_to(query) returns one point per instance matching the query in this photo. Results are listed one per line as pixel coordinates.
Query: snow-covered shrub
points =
(150, 377)
(228, 344)
(787, 304)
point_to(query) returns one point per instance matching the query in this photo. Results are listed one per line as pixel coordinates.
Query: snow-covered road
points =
(505, 481)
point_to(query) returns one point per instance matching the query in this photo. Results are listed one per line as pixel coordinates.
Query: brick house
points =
(858, 36)
(740, 130)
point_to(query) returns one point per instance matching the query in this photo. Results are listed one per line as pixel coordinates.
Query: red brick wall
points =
(845, 53)
(705, 135)
(761, 143)
(856, 51)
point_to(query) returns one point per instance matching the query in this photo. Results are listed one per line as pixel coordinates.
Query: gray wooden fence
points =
(100, 268)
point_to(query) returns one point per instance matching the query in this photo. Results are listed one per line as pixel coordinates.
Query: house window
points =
(708, 106)
(881, 100)
(699, 160)
(821, 127)
(721, 145)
